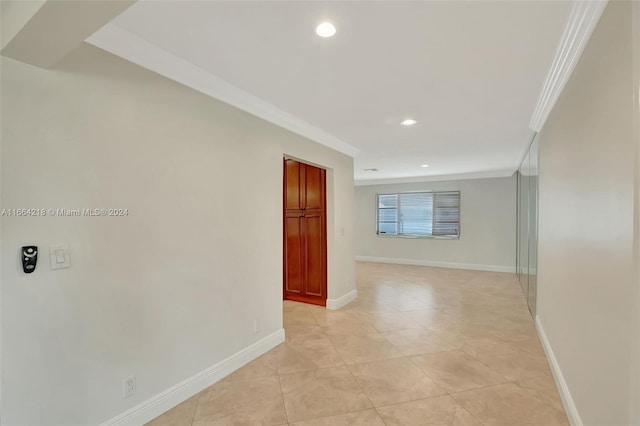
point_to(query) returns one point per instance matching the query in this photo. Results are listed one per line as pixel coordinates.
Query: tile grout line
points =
(449, 394)
(365, 394)
(356, 380)
(349, 370)
(195, 409)
(494, 370)
(510, 382)
(284, 406)
(421, 399)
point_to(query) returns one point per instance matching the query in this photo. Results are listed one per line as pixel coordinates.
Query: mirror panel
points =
(527, 228)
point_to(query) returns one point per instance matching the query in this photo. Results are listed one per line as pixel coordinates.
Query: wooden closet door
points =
(294, 178)
(294, 253)
(314, 198)
(314, 248)
(304, 233)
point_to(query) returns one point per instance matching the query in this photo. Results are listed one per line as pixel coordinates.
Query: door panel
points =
(294, 255)
(527, 230)
(314, 188)
(292, 185)
(523, 197)
(314, 251)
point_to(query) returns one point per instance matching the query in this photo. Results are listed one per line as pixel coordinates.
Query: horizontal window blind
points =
(446, 213)
(419, 214)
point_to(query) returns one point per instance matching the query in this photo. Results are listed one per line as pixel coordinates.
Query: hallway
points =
(420, 346)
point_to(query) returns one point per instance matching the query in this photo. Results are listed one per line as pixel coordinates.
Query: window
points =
(419, 214)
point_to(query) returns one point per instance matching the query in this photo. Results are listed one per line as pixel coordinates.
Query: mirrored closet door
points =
(527, 225)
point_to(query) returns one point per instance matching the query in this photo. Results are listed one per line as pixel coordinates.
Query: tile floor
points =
(420, 346)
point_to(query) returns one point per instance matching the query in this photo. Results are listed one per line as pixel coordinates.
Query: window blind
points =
(419, 214)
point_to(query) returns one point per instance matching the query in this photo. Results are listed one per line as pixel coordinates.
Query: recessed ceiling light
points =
(371, 170)
(425, 165)
(326, 29)
(409, 122)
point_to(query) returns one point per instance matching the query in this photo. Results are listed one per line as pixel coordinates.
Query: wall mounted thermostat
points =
(29, 258)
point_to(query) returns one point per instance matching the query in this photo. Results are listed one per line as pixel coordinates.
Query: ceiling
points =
(469, 72)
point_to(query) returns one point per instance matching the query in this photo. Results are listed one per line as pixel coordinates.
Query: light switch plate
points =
(59, 256)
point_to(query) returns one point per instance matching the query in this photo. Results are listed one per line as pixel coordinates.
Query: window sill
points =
(421, 237)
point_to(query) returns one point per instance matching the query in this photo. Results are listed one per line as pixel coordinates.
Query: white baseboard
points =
(437, 264)
(343, 300)
(567, 400)
(164, 401)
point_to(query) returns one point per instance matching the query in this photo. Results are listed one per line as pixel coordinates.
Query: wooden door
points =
(294, 254)
(305, 236)
(314, 232)
(294, 177)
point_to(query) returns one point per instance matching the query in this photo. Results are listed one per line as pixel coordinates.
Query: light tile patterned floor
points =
(420, 346)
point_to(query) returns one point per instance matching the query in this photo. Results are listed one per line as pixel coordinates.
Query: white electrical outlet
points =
(128, 386)
(256, 326)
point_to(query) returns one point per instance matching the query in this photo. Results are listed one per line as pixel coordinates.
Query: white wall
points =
(587, 298)
(175, 286)
(487, 227)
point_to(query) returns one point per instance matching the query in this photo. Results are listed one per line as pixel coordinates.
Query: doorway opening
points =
(305, 233)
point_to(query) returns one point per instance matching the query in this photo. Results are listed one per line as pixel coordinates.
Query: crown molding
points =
(436, 178)
(583, 19)
(134, 48)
